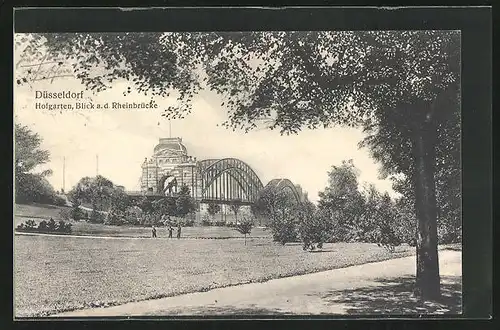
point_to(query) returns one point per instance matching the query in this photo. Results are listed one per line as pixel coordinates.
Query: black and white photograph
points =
(260, 173)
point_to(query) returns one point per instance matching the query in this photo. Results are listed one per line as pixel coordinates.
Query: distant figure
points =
(170, 231)
(179, 231)
(154, 231)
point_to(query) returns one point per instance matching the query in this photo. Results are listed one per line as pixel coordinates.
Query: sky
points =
(123, 138)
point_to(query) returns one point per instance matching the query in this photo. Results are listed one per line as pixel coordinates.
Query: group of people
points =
(170, 231)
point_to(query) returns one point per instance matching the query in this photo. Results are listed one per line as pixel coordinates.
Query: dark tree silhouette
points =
(213, 209)
(390, 80)
(184, 202)
(31, 185)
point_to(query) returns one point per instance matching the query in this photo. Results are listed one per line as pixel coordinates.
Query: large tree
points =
(281, 209)
(290, 80)
(31, 184)
(185, 204)
(343, 199)
(97, 191)
(391, 148)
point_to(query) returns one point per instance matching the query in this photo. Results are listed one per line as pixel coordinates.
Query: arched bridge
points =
(286, 185)
(228, 179)
(223, 181)
(232, 180)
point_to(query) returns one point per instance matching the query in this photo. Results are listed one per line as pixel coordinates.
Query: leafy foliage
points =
(76, 212)
(244, 228)
(285, 230)
(47, 227)
(347, 214)
(185, 204)
(28, 154)
(145, 205)
(294, 79)
(342, 201)
(133, 215)
(109, 203)
(280, 207)
(95, 215)
(314, 230)
(32, 186)
(392, 149)
(213, 209)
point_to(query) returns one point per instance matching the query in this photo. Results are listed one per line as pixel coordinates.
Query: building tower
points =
(170, 165)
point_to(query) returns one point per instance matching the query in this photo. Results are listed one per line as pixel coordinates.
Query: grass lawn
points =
(85, 228)
(54, 274)
(39, 212)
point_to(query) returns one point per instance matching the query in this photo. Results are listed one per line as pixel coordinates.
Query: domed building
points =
(169, 168)
(170, 146)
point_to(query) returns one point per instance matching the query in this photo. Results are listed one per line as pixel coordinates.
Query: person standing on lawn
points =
(170, 231)
(154, 231)
(179, 230)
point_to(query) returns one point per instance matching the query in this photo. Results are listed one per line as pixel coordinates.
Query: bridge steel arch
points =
(286, 184)
(229, 179)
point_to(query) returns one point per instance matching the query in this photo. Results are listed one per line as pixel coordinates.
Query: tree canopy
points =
(185, 204)
(31, 184)
(290, 80)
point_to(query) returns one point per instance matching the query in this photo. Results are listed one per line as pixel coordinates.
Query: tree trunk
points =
(427, 277)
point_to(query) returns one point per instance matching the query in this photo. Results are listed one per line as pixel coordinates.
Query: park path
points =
(317, 293)
(79, 236)
(144, 237)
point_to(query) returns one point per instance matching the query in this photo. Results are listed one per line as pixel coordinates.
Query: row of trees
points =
(110, 204)
(346, 213)
(215, 208)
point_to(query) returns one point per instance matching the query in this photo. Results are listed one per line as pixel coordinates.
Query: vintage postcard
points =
(237, 173)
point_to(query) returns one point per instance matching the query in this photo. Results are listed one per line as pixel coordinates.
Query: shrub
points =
(205, 221)
(30, 224)
(314, 231)
(450, 229)
(43, 226)
(76, 212)
(132, 220)
(245, 227)
(59, 201)
(65, 214)
(115, 219)
(388, 238)
(34, 188)
(189, 223)
(96, 216)
(284, 230)
(133, 215)
(51, 225)
(64, 227)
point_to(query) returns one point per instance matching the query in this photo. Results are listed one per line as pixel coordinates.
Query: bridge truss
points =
(224, 181)
(228, 180)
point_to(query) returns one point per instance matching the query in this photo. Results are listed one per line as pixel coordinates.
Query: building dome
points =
(170, 145)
